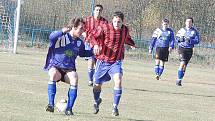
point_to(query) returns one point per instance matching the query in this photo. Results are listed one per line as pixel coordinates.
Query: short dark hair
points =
(165, 20)
(119, 14)
(189, 18)
(98, 5)
(75, 22)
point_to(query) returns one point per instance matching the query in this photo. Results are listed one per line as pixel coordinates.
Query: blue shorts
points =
(104, 71)
(87, 47)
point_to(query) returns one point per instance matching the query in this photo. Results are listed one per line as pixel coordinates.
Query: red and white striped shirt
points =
(112, 43)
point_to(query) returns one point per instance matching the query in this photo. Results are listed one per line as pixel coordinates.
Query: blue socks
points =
(96, 94)
(156, 69)
(180, 74)
(90, 74)
(72, 95)
(117, 96)
(51, 92)
(161, 68)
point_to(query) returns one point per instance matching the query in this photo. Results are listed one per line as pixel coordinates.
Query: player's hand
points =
(96, 49)
(66, 29)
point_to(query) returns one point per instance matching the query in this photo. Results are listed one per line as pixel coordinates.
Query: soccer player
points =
(91, 23)
(186, 37)
(110, 54)
(163, 39)
(65, 46)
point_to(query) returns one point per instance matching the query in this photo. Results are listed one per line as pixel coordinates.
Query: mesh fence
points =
(7, 15)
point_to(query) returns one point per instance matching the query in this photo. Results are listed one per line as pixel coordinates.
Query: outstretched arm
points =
(53, 37)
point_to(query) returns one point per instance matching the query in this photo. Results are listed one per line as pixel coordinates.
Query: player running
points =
(186, 37)
(163, 39)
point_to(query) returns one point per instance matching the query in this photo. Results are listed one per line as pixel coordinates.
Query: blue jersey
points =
(63, 51)
(162, 38)
(186, 38)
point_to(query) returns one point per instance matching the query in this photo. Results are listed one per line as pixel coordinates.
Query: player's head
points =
(189, 22)
(118, 18)
(77, 26)
(97, 11)
(165, 23)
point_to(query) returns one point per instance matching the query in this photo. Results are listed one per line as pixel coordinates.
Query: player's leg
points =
(116, 72)
(91, 64)
(101, 75)
(181, 72)
(91, 70)
(72, 77)
(54, 75)
(97, 98)
(161, 67)
(163, 58)
(156, 68)
(185, 56)
(117, 92)
(157, 62)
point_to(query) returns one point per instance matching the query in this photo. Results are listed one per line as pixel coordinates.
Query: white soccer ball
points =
(62, 105)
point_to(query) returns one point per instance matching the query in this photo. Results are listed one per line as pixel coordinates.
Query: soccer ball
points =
(61, 105)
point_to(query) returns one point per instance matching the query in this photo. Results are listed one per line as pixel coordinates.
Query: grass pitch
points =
(23, 92)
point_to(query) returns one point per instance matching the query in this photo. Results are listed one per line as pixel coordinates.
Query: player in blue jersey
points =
(186, 37)
(163, 40)
(65, 46)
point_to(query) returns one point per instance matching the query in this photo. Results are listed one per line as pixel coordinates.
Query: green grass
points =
(23, 92)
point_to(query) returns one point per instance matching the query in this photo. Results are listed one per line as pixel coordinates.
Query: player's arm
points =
(130, 41)
(195, 39)
(153, 40)
(53, 37)
(172, 41)
(152, 44)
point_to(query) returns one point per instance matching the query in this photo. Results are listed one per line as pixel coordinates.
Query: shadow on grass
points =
(93, 116)
(166, 92)
(202, 83)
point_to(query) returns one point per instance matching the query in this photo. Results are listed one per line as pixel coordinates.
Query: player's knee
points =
(54, 75)
(72, 77)
(118, 81)
(118, 84)
(97, 87)
(73, 82)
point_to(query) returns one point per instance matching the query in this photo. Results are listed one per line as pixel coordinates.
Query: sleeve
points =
(83, 52)
(129, 40)
(152, 43)
(195, 39)
(154, 39)
(172, 40)
(53, 37)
